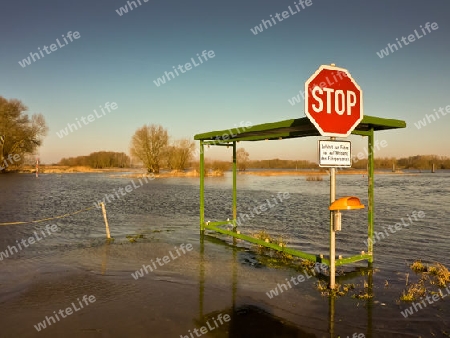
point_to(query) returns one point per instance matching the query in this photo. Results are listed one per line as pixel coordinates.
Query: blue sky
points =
(117, 58)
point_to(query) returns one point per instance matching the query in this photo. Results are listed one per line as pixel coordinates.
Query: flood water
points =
(216, 277)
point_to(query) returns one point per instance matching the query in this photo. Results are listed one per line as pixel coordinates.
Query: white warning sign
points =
(335, 153)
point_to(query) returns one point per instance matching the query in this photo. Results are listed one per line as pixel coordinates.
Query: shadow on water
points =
(253, 321)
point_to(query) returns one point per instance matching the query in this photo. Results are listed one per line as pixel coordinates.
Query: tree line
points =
(99, 160)
(418, 162)
(282, 164)
(21, 135)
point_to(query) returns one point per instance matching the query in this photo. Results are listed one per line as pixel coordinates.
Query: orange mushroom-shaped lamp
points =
(343, 203)
(346, 203)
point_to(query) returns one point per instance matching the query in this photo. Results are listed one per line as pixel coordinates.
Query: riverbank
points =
(267, 172)
(57, 169)
(139, 172)
(128, 172)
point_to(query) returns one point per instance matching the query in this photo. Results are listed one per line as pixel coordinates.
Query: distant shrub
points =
(314, 178)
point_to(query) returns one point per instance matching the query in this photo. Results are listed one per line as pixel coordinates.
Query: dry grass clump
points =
(440, 273)
(434, 274)
(263, 235)
(266, 237)
(307, 264)
(414, 291)
(339, 290)
(134, 238)
(418, 266)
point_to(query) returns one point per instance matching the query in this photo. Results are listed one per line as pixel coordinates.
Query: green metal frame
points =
(280, 130)
(234, 186)
(202, 186)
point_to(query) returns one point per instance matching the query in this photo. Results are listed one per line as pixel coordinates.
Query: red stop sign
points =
(333, 101)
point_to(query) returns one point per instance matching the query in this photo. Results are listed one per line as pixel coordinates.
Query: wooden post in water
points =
(432, 168)
(108, 235)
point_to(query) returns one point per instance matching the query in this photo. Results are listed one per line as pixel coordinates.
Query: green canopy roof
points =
(301, 127)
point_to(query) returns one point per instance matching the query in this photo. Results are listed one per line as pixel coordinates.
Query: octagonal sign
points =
(333, 101)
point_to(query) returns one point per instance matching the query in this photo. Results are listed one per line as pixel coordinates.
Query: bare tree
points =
(242, 158)
(149, 144)
(171, 157)
(180, 153)
(22, 135)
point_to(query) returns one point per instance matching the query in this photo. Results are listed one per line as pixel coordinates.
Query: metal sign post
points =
(332, 232)
(335, 108)
(332, 154)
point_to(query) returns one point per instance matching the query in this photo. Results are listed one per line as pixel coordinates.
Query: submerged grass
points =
(365, 293)
(339, 290)
(414, 291)
(441, 275)
(134, 238)
(263, 235)
(274, 258)
(430, 275)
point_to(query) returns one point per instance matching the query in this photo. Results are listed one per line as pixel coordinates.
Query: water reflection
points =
(369, 299)
(249, 320)
(105, 256)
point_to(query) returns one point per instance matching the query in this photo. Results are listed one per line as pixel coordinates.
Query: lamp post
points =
(343, 203)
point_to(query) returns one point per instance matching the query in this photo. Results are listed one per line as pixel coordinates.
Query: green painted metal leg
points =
(234, 186)
(202, 187)
(370, 215)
